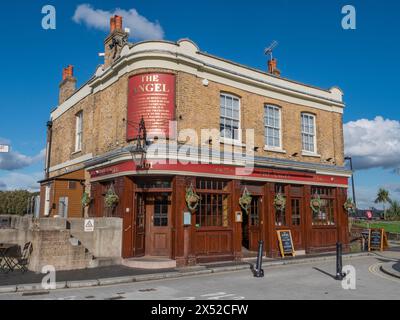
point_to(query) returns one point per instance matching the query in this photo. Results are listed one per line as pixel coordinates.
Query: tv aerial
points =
(270, 49)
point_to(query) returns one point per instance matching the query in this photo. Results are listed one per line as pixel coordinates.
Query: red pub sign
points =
(151, 96)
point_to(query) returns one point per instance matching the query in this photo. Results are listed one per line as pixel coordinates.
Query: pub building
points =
(188, 201)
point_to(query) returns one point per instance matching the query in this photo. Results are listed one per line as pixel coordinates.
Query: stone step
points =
(150, 263)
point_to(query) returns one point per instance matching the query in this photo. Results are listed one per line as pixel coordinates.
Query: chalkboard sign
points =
(285, 242)
(377, 239)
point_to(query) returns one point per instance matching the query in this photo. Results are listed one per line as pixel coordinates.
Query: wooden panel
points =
(213, 242)
(323, 239)
(255, 236)
(201, 243)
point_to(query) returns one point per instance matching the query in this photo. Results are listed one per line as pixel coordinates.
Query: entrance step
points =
(104, 262)
(149, 262)
(300, 252)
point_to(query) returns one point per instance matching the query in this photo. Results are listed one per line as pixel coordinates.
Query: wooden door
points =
(127, 236)
(140, 222)
(296, 224)
(158, 219)
(254, 223)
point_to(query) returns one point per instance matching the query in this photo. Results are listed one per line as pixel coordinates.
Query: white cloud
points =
(141, 27)
(21, 181)
(14, 160)
(373, 143)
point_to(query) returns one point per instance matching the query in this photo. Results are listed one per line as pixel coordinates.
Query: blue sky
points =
(313, 48)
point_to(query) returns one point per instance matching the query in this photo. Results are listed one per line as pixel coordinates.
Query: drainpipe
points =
(49, 141)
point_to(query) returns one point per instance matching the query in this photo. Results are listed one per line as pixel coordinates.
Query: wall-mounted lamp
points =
(295, 154)
(329, 159)
(256, 149)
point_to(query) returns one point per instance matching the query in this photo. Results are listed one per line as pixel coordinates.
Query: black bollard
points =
(259, 272)
(339, 264)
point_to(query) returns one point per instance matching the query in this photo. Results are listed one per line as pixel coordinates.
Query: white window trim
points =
(238, 141)
(306, 152)
(78, 138)
(273, 148)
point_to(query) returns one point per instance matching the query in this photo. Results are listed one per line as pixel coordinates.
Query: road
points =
(302, 281)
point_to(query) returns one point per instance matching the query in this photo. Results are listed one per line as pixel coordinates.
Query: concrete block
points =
(8, 289)
(30, 287)
(82, 283)
(116, 280)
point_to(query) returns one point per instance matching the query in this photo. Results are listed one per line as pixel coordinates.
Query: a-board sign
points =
(285, 243)
(377, 239)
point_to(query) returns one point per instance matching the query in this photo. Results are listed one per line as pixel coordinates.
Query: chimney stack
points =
(272, 67)
(118, 23)
(114, 41)
(112, 24)
(67, 85)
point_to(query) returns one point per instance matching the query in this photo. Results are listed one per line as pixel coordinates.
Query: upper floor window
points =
(272, 124)
(308, 132)
(230, 117)
(78, 131)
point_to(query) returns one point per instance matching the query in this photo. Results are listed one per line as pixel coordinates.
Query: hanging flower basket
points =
(86, 200)
(280, 202)
(349, 205)
(111, 199)
(316, 203)
(192, 198)
(245, 199)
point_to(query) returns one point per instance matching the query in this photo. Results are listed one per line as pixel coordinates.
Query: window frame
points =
(268, 147)
(78, 131)
(239, 134)
(314, 118)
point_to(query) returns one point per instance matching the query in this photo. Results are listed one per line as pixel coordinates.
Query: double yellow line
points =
(375, 269)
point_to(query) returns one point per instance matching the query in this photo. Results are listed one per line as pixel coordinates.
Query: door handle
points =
(125, 230)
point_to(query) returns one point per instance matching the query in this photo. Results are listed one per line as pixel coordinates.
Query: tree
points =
(394, 210)
(15, 202)
(383, 197)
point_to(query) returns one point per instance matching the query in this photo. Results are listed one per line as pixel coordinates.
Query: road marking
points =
(375, 269)
(214, 296)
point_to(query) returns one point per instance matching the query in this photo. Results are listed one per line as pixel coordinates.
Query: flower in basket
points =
(349, 205)
(85, 200)
(192, 199)
(315, 203)
(245, 199)
(280, 202)
(111, 199)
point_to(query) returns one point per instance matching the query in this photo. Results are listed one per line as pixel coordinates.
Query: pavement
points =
(313, 279)
(18, 282)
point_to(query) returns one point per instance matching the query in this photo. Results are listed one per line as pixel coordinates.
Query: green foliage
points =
(15, 202)
(393, 213)
(383, 197)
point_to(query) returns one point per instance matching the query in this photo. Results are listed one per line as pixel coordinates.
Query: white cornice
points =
(184, 56)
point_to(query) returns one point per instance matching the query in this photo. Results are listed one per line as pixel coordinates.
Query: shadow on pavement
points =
(324, 272)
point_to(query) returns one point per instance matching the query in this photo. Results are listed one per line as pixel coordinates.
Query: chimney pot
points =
(68, 72)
